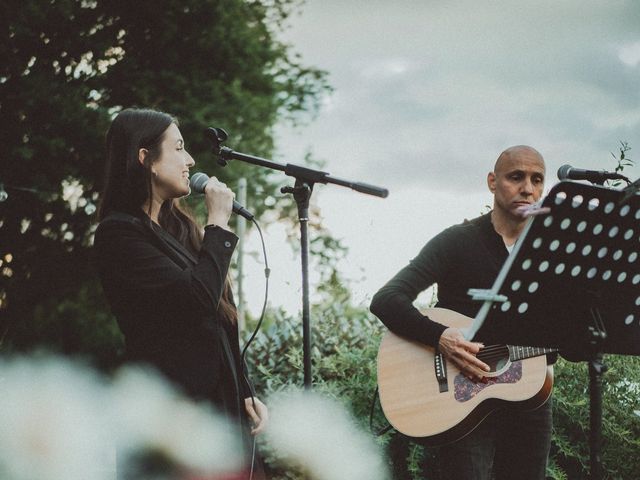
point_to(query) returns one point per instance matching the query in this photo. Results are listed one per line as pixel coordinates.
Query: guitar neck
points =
(520, 353)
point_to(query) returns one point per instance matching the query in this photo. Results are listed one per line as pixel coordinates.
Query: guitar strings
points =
(498, 351)
(494, 351)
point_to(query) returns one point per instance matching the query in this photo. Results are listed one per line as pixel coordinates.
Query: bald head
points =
(516, 181)
(515, 154)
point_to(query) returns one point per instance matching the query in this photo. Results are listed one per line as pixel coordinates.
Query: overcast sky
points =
(428, 93)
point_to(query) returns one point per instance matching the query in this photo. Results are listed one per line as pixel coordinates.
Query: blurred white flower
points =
(320, 436)
(151, 416)
(51, 427)
(62, 421)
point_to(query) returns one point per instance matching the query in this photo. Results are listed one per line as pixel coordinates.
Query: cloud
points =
(630, 54)
(427, 88)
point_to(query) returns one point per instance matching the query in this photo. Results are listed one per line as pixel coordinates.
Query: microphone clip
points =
(216, 136)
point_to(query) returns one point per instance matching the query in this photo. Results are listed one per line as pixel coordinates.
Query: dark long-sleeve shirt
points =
(464, 256)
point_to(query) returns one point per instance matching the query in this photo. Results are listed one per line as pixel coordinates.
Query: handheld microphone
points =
(567, 172)
(197, 183)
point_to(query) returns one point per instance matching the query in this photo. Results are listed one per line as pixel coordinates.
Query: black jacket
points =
(165, 300)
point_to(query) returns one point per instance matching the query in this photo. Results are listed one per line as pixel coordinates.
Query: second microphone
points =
(199, 180)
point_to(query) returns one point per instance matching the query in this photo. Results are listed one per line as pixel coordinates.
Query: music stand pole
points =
(596, 370)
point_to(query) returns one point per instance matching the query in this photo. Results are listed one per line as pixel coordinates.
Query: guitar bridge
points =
(441, 372)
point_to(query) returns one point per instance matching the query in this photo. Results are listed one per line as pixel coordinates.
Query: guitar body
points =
(411, 396)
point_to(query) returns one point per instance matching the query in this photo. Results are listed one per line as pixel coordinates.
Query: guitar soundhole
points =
(496, 357)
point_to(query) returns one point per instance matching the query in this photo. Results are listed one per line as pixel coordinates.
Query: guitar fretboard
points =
(520, 353)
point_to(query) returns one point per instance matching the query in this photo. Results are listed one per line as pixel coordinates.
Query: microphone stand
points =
(305, 179)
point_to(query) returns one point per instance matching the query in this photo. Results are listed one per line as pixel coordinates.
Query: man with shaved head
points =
(508, 443)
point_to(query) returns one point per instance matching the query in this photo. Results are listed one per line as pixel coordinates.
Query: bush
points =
(344, 347)
(620, 422)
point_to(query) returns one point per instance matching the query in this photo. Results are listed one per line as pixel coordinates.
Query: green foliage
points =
(344, 346)
(345, 339)
(622, 161)
(78, 324)
(620, 426)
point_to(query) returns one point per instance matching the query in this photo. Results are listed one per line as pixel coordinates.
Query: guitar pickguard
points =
(464, 389)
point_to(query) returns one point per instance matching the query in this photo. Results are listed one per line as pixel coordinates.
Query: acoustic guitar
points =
(424, 396)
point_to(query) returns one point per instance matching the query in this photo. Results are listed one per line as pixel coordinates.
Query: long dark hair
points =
(128, 182)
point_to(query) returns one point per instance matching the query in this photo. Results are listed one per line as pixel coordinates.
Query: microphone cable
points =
(376, 431)
(267, 272)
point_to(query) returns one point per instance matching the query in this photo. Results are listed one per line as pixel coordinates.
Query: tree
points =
(68, 67)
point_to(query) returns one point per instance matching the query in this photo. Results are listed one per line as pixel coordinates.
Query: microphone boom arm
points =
(305, 174)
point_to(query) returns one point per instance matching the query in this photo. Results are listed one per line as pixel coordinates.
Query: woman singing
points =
(166, 278)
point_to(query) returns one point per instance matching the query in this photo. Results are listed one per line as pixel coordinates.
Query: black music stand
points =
(572, 282)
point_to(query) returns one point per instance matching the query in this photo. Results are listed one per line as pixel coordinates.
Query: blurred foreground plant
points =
(62, 421)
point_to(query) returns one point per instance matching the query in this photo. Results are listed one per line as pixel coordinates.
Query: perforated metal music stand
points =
(572, 282)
